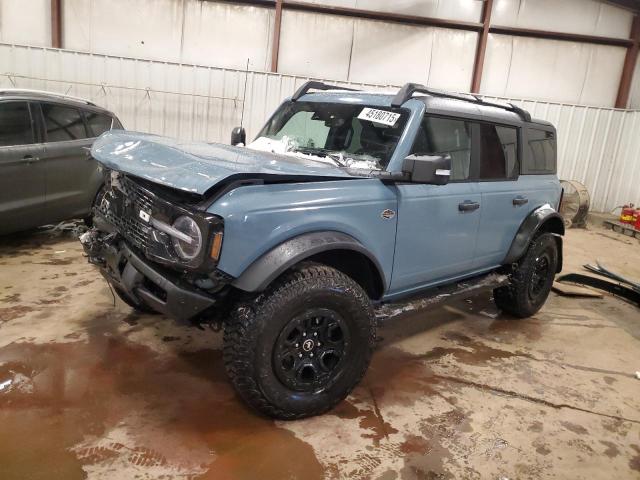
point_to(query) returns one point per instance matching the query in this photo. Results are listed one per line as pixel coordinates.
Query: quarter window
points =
(542, 152)
(62, 123)
(498, 152)
(97, 123)
(15, 124)
(441, 136)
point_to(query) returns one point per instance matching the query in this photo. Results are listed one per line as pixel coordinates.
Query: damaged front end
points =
(157, 248)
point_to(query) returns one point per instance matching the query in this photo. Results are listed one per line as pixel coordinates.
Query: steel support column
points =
(56, 23)
(629, 65)
(275, 47)
(478, 64)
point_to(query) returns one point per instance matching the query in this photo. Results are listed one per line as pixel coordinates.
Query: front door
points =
(22, 174)
(437, 225)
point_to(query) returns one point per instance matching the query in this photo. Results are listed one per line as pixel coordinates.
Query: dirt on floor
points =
(90, 389)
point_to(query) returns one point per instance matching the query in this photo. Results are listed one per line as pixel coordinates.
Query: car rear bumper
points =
(141, 281)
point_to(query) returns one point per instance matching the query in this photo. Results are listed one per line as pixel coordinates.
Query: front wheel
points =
(531, 280)
(299, 348)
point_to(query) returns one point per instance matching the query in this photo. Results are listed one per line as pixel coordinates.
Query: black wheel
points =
(531, 280)
(299, 348)
(134, 303)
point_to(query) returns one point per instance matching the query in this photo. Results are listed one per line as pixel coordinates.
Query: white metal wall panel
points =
(315, 45)
(137, 28)
(552, 70)
(463, 10)
(587, 17)
(25, 21)
(634, 97)
(227, 34)
(390, 53)
(599, 147)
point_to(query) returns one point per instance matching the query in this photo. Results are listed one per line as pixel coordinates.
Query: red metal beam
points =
(275, 48)
(478, 64)
(630, 60)
(56, 23)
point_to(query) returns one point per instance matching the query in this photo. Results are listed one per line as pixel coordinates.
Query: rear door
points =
(505, 198)
(22, 174)
(437, 225)
(71, 172)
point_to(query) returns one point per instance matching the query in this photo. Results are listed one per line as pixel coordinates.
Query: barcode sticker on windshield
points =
(379, 116)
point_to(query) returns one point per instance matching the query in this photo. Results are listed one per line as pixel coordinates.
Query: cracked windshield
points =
(353, 136)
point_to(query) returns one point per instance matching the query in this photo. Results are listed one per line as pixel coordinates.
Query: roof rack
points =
(317, 86)
(407, 91)
(45, 93)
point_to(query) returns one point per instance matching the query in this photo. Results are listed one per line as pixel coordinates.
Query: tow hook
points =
(94, 242)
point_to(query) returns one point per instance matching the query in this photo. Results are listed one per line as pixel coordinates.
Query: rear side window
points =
(62, 123)
(498, 152)
(15, 124)
(541, 147)
(440, 136)
(98, 123)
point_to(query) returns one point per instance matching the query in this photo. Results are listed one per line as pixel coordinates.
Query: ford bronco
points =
(344, 203)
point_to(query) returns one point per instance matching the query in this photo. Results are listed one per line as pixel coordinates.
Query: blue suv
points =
(346, 202)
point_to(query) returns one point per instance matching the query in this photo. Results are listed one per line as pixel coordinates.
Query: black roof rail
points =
(407, 91)
(317, 86)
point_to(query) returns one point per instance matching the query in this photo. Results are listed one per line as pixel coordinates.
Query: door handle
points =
(468, 206)
(520, 200)
(30, 158)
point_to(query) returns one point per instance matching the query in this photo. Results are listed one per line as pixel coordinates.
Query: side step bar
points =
(440, 295)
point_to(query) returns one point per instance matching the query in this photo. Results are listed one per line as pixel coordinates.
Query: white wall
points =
(340, 48)
(634, 98)
(463, 10)
(190, 31)
(586, 17)
(599, 147)
(26, 22)
(552, 70)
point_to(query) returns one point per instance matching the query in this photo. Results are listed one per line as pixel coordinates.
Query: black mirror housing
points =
(433, 170)
(238, 135)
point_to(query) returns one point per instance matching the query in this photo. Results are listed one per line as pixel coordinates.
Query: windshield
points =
(354, 136)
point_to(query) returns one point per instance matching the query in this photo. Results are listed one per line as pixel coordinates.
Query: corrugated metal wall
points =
(599, 147)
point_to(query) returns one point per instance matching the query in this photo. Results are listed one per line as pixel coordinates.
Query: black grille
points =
(122, 209)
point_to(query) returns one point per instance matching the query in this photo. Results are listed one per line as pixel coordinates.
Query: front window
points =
(353, 136)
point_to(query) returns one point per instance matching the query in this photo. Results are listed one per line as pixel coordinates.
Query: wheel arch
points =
(334, 249)
(544, 219)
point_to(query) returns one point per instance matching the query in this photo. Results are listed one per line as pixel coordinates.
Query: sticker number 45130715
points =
(379, 116)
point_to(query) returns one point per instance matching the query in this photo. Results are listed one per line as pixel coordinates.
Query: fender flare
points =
(543, 215)
(273, 263)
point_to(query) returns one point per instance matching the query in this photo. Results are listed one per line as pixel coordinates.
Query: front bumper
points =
(141, 281)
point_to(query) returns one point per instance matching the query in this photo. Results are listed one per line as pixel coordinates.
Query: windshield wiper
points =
(321, 152)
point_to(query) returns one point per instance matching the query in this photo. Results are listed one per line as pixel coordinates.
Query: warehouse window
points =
(498, 152)
(63, 123)
(542, 152)
(441, 136)
(15, 124)
(97, 123)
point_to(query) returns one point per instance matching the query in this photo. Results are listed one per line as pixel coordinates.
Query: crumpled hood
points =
(197, 166)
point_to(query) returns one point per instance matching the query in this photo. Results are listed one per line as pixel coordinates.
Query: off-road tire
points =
(518, 298)
(255, 328)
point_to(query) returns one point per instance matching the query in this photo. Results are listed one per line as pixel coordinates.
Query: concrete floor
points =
(89, 389)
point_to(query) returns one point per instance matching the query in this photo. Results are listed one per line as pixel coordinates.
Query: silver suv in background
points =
(47, 173)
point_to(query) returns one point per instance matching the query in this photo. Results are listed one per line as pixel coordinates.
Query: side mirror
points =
(238, 135)
(434, 170)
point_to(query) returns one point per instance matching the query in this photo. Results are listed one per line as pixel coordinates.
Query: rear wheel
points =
(299, 348)
(531, 279)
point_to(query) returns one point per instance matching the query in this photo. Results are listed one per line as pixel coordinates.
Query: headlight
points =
(187, 250)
